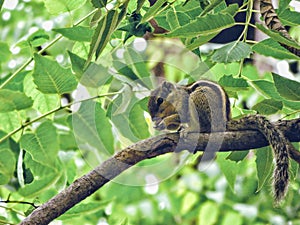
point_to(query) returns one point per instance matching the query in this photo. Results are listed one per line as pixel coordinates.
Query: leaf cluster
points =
(74, 93)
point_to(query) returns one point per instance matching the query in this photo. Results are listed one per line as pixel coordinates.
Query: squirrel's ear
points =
(168, 85)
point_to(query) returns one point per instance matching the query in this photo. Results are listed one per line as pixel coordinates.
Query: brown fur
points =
(204, 107)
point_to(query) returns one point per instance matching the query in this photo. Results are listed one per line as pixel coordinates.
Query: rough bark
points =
(146, 149)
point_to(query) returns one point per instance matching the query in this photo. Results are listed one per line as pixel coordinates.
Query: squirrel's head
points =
(162, 111)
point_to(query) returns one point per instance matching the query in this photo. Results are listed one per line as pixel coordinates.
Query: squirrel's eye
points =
(159, 100)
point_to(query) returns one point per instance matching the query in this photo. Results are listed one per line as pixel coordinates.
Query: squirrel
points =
(204, 107)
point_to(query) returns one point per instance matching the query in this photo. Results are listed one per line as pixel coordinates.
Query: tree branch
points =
(146, 149)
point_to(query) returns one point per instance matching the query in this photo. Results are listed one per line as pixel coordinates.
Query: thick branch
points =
(146, 149)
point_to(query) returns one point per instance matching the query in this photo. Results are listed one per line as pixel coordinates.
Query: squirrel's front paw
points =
(183, 132)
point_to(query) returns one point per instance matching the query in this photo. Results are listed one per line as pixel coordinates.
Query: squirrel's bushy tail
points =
(280, 146)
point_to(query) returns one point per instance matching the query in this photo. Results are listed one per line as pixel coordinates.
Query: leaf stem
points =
(248, 19)
(20, 202)
(251, 42)
(53, 111)
(287, 115)
(41, 51)
(244, 33)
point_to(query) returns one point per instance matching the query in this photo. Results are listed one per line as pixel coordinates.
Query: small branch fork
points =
(8, 201)
(146, 149)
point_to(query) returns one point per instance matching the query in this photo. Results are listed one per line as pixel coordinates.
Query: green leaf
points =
(96, 17)
(231, 9)
(133, 27)
(232, 218)
(292, 105)
(127, 93)
(68, 159)
(36, 169)
(4, 52)
(105, 28)
(137, 120)
(17, 83)
(59, 6)
(67, 141)
(4, 143)
(229, 168)
(213, 4)
(283, 5)
(42, 102)
(119, 116)
(191, 8)
(196, 42)
(78, 33)
(43, 144)
(135, 61)
(45, 103)
(104, 129)
(137, 5)
(278, 36)
(203, 39)
(7, 165)
(38, 186)
(209, 213)
(264, 160)
(289, 18)
(124, 222)
(13, 100)
(232, 52)
(125, 70)
(269, 47)
(287, 88)
(95, 76)
(10, 122)
(209, 24)
(184, 12)
(84, 209)
(268, 106)
(161, 20)
(233, 84)
(189, 200)
(23, 44)
(150, 13)
(99, 3)
(51, 78)
(77, 64)
(177, 19)
(237, 156)
(91, 119)
(38, 38)
(267, 88)
(81, 49)
(123, 12)
(1, 4)
(294, 166)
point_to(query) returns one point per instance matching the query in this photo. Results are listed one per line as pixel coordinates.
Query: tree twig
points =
(146, 149)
